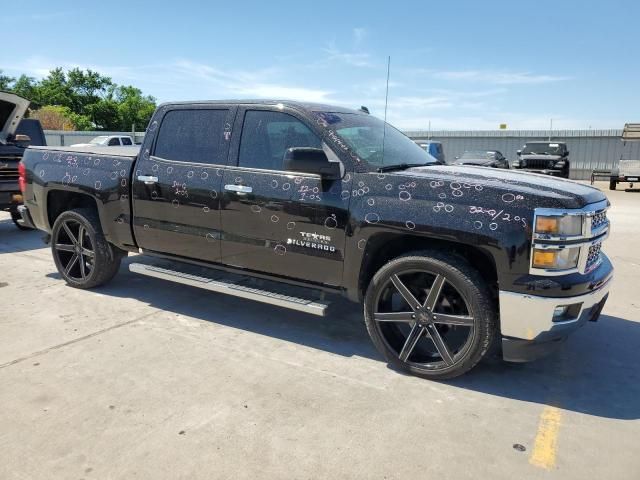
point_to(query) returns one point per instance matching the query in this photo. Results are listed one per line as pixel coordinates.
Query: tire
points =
(463, 296)
(17, 220)
(96, 260)
(612, 184)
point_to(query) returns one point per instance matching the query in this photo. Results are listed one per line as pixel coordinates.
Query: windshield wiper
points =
(402, 166)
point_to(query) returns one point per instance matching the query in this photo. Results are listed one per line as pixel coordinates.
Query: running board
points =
(230, 288)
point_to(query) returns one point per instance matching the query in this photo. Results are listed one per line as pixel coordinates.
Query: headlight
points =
(566, 225)
(552, 259)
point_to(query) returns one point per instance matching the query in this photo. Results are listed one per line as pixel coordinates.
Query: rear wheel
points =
(612, 184)
(82, 255)
(430, 314)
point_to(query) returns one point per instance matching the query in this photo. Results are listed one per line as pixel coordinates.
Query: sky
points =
(458, 65)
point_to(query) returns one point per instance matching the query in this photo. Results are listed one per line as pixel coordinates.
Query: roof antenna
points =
(386, 101)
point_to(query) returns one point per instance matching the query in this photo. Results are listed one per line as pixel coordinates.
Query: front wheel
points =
(82, 255)
(431, 314)
(612, 184)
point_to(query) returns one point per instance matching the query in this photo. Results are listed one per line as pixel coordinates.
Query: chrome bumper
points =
(530, 317)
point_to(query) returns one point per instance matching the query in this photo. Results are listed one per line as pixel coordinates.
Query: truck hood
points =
(12, 109)
(541, 190)
(525, 156)
(474, 161)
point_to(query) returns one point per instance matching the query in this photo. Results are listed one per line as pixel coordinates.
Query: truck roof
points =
(545, 141)
(310, 106)
(131, 151)
(631, 131)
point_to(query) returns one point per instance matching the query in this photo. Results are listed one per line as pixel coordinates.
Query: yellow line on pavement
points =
(546, 443)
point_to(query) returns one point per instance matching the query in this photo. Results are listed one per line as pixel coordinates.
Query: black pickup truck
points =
(16, 133)
(548, 158)
(447, 261)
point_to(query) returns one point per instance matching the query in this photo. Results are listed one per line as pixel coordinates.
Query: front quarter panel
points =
(495, 218)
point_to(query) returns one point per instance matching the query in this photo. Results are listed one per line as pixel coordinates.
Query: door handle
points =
(148, 179)
(238, 188)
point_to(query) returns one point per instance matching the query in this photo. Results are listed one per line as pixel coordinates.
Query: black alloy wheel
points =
(431, 315)
(84, 258)
(74, 250)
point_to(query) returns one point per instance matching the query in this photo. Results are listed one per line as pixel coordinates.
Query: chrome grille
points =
(599, 219)
(593, 257)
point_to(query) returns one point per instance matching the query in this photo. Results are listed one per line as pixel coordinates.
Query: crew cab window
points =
(126, 141)
(114, 142)
(192, 136)
(267, 135)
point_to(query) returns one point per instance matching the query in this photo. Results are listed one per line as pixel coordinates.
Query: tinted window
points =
(126, 141)
(114, 142)
(192, 136)
(266, 136)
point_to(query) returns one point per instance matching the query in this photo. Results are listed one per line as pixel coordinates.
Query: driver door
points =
(283, 223)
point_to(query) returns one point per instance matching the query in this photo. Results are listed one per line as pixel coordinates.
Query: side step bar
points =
(227, 287)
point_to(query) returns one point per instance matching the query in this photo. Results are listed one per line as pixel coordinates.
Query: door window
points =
(114, 142)
(125, 141)
(192, 136)
(267, 135)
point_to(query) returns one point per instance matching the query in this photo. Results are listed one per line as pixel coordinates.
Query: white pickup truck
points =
(628, 169)
(108, 141)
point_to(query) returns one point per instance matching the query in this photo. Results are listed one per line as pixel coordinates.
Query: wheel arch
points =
(59, 201)
(384, 247)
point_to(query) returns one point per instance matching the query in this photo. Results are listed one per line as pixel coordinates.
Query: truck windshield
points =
(99, 140)
(364, 134)
(477, 154)
(542, 149)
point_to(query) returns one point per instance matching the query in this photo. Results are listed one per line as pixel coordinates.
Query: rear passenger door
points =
(176, 185)
(271, 217)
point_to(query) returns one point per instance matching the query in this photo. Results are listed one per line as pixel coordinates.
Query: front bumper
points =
(545, 171)
(527, 321)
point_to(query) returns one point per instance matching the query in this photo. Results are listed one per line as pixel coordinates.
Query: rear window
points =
(192, 136)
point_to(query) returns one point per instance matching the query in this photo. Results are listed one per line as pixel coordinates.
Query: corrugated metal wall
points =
(589, 149)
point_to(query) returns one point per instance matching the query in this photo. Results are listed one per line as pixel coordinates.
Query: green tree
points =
(6, 81)
(134, 108)
(54, 90)
(26, 87)
(84, 99)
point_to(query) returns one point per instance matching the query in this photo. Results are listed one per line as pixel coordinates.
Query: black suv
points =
(549, 158)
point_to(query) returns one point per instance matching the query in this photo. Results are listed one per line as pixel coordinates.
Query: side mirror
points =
(518, 152)
(311, 160)
(566, 153)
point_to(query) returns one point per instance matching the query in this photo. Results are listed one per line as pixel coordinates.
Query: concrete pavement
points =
(147, 379)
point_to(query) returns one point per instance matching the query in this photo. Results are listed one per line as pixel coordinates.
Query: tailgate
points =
(629, 168)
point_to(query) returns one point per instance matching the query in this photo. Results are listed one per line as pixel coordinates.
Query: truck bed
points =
(130, 152)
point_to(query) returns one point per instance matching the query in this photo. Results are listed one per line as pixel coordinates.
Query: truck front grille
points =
(539, 164)
(599, 219)
(593, 257)
(9, 175)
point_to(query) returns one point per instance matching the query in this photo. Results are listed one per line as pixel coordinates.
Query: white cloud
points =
(359, 34)
(354, 59)
(498, 77)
